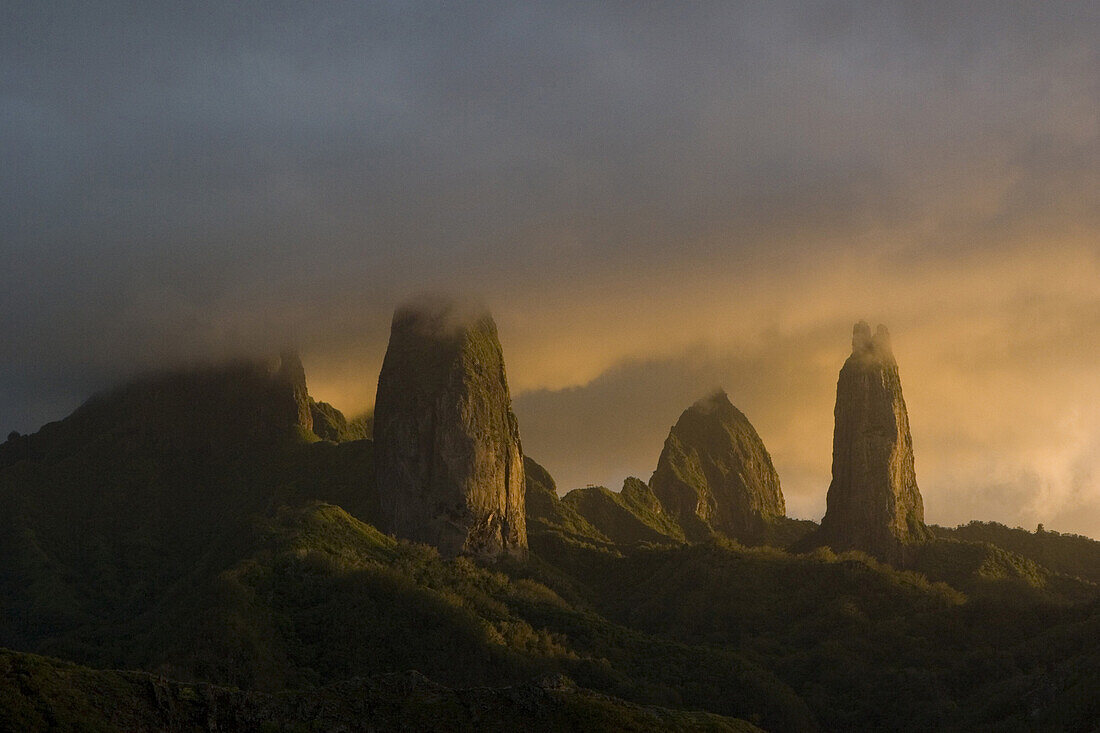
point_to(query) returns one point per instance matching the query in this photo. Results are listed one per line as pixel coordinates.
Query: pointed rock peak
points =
(437, 333)
(535, 473)
(715, 475)
(634, 485)
(291, 376)
(880, 342)
(717, 402)
(636, 490)
(861, 338)
(448, 457)
(715, 410)
(713, 413)
(329, 423)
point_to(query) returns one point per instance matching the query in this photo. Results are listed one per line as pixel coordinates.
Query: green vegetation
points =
(628, 517)
(552, 523)
(1068, 554)
(327, 597)
(253, 573)
(864, 645)
(230, 571)
(330, 424)
(37, 693)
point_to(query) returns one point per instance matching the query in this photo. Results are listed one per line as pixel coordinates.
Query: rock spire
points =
(873, 503)
(449, 464)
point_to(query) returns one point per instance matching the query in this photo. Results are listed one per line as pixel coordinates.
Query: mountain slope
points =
(37, 693)
(865, 645)
(249, 557)
(317, 572)
(216, 563)
(553, 525)
(1069, 554)
(626, 517)
(330, 424)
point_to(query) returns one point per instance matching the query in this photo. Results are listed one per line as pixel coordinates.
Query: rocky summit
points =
(448, 455)
(715, 475)
(219, 408)
(873, 502)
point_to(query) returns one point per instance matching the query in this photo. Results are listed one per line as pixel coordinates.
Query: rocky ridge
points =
(330, 424)
(243, 403)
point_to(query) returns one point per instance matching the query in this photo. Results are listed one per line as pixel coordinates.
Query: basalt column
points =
(873, 503)
(448, 457)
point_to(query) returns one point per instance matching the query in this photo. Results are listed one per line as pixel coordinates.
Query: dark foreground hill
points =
(126, 544)
(37, 693)
(252, 571)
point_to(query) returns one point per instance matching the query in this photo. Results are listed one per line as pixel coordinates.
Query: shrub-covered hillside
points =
(1068, 554)
(255, 575)
(37, 693)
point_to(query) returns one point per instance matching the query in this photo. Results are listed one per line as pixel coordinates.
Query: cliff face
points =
(448, 455)
(288, 384)
(250, 401)
(715, 474)
(874, 504)
(222, 408)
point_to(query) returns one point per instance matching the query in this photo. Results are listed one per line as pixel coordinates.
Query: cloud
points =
(997, 363)
(651, 200)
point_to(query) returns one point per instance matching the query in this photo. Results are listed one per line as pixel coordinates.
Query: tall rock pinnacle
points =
(448, 457)
(715, 474)
(873, 502)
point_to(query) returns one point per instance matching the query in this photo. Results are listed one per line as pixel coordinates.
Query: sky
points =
(653, 199)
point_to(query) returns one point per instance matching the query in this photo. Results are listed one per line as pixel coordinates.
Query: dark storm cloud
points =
(623, 183)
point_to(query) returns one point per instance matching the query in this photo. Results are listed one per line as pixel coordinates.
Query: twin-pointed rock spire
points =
(873, 502)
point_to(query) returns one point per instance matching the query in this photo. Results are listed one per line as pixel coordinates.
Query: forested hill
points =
(242, 574)
(1070, 554)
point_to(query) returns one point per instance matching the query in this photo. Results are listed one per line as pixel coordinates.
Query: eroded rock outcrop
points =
(874, 504)
(330, 424)
(715, 475)
(287, 384)
(626, 517)
(447, 447)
